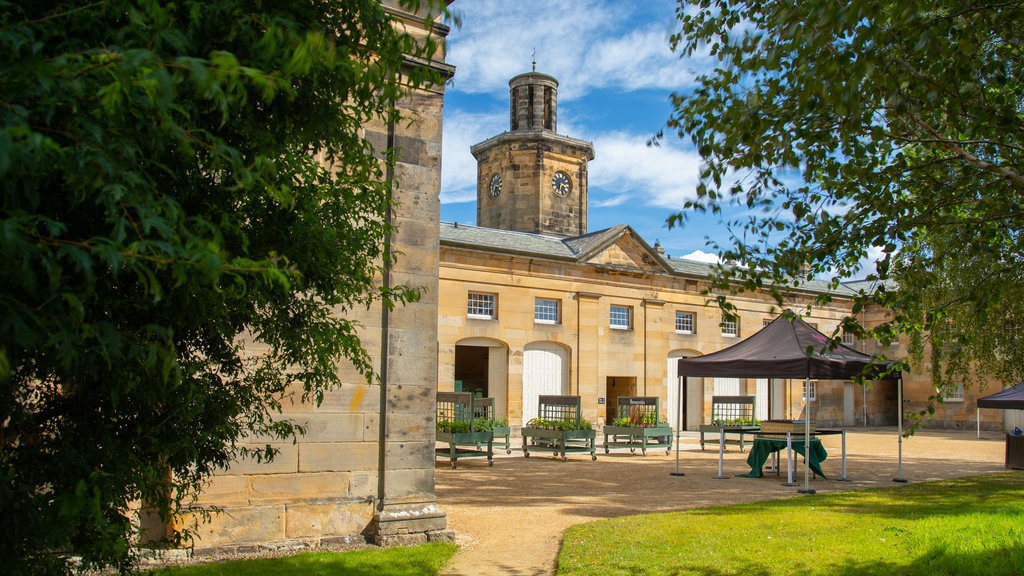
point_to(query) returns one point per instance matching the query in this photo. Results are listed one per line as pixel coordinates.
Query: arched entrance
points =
(545, 371)
(481, 368)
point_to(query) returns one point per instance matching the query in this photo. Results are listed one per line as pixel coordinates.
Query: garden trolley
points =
(483, 415)
(559, 428)
(735, 415)
(637, 424)
(457, 428)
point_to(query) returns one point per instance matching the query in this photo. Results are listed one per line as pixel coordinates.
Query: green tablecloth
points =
(764, 446)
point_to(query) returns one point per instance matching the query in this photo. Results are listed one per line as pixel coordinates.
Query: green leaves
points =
(177, 178)
(904, 121)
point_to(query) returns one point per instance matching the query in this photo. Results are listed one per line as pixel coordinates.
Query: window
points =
(621, 317)
(813, 391)
(848, 339)
(730, 329)
(480, 305)
(545, 311)
(684, 323)
(953, 393)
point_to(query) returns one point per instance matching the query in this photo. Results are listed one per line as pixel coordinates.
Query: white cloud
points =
(458, 167)
(701, 256)
(586, 44)
(654, 176)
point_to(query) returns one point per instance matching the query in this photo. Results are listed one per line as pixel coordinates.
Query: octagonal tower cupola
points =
(533, 102)
(531, 179)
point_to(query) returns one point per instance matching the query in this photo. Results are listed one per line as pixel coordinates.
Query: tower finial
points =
(535, 59)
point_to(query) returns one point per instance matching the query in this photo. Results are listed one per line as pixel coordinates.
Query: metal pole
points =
(843, 477)
(679, 418)
(721, 453)
(807, 438)
(789, 460)
(899, 417)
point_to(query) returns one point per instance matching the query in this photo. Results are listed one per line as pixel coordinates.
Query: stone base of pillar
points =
(406, 524)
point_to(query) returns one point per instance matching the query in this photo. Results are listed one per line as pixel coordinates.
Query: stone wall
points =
(364, 470)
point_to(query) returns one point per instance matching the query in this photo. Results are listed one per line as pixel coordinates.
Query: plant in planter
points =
(459, 426)
(637, 424)
(559, 428)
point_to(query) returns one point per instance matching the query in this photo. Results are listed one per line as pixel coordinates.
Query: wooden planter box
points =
(456, 408)
(642, 426)
(636, 436)
(736, 435)
(727, 409)
(503, 432)
(458, 444)
(559, 442)
(570, 437)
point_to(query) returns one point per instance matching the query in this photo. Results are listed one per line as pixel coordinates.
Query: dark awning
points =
(786, 348)
(1008, 399)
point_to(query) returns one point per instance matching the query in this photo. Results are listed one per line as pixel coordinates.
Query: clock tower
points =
(531, 179)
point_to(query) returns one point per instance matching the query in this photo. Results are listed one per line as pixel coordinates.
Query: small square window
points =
(545, 311)
(953, 393)
(730, 328)
(813, 391)
(684, 323)
(848, 338)
(621, 317)
(480, 305)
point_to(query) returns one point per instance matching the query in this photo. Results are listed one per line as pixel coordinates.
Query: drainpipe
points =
(644, 304)
(385, 317)
(579, 342)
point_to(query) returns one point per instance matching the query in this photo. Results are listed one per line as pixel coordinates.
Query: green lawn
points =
(964, 526)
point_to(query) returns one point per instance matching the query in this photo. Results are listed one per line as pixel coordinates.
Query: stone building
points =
(527, 303)
(364, 469)
(531, 303)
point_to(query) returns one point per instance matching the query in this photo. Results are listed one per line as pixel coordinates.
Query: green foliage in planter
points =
(735, 422)
(639, 419)
(567, 424)
(477, 425)
(453, 426)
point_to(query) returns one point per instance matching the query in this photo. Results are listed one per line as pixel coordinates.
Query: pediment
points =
(624, 251)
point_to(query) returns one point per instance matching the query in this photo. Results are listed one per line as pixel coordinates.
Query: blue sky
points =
(615, 73)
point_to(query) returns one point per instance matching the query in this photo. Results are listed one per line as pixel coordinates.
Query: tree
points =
(860, 131)
(179, 180)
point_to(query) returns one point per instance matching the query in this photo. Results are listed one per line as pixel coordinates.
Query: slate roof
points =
(580, 248)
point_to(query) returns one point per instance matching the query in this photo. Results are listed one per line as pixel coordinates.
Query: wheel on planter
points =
(643, 451)
(606, 450)
(632, 450)
(593, 457)
(455, 464)
(490, 463)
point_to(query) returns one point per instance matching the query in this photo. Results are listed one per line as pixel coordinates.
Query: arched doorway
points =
(545, 371)
(481, 368)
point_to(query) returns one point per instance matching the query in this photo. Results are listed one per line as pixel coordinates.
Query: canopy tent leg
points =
(679, 420)
(807, 439)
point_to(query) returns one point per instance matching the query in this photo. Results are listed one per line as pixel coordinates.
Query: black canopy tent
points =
(1011, 398)
(787, 348)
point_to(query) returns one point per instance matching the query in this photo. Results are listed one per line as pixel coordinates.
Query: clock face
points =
(560, 184)
(495, 187)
